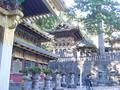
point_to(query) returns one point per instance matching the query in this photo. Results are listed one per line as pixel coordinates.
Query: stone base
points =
(47, 88)
(58, 89)
(36, 89)
(64, 85)
(71, 86)
(78, 84)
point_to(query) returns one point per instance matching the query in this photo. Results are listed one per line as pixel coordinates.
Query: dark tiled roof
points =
(65, 30)
(29, 7)
(34, 7)
(36, 48)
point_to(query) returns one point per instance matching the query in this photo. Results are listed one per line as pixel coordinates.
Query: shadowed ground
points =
(98, 88)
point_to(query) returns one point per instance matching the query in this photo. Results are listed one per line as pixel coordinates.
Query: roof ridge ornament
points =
(64, 26)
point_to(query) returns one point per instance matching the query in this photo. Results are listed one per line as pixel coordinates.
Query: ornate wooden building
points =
(69, 40)
(66, 39)
(27, 49)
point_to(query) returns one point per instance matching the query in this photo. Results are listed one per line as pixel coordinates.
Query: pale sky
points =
(71, 2)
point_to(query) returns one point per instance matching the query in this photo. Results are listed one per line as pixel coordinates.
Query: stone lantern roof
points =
(85, 44)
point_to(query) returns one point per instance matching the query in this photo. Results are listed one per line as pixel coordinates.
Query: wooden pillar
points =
(8, 23)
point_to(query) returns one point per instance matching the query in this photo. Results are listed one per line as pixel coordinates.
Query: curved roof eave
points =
(37, 30)
(41, 7)
(34, 7)
(37, 49)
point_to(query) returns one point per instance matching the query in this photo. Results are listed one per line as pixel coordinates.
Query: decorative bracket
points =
(10, 19)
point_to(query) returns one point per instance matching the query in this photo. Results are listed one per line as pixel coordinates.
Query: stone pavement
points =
(98, 88)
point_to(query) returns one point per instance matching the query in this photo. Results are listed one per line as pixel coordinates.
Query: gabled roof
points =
(66, 30)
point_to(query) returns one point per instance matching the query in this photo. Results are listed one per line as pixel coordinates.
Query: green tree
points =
(20, 1)
(98, 11)
(47, 23)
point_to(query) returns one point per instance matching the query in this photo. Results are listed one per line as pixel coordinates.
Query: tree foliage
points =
(14, 1)
(45, 46)
(96, 10)
(20, 1)
(47, 22)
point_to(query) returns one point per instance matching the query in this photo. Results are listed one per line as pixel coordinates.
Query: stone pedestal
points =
(48, 83)
(27, 84)
(72, 81)
(36, 82)
(36, 85)
(58, 83)
(63, 83)
(8, 23)
(102, 79)
(78, 81)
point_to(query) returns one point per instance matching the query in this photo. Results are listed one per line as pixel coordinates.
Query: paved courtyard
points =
(98, 88)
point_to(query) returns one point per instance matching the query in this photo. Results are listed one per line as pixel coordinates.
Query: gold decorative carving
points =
(10, 19)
